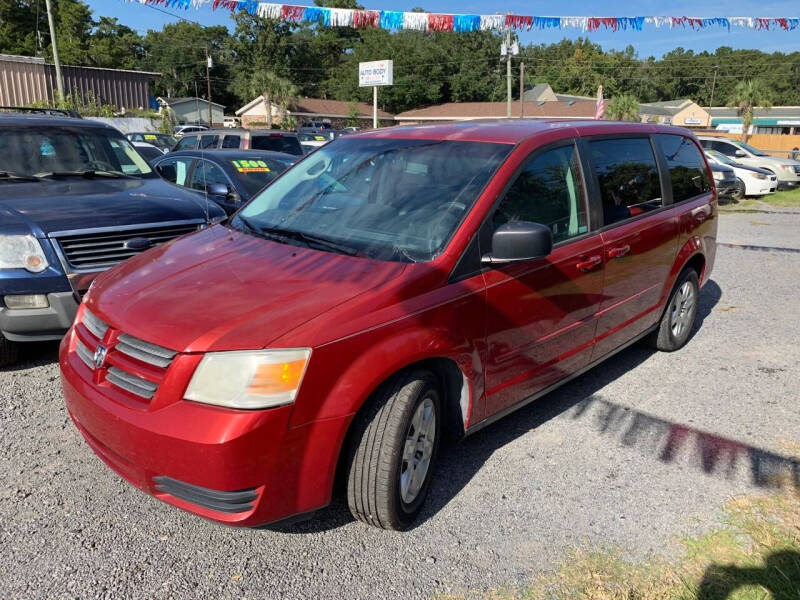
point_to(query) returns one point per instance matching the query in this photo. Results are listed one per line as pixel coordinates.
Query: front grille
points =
(797, 169)
(98, 250)
(134, 384)
(133, 365)
(145, 351)
(228, 502)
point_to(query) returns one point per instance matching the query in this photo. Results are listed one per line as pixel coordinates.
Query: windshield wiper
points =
(8, 176)
(281, 235)
(87, 174)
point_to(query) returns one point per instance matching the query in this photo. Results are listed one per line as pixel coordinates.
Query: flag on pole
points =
(600, 106)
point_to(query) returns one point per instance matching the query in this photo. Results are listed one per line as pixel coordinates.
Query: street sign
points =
(377, 72)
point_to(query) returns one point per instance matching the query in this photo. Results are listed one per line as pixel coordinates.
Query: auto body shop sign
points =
(377, 72)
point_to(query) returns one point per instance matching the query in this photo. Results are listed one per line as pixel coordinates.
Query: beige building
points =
(336, 112)
(681, 113)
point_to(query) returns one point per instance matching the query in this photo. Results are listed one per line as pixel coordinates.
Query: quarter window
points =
(687, 169)
(548, 191)
(628, 177)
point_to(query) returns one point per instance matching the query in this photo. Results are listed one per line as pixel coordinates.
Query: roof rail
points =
(53, 112)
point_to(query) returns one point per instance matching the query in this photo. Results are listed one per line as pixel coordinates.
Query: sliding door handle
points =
(619, 251)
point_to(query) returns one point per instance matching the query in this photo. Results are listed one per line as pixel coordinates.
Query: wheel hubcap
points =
(682, 310)
(418, 450)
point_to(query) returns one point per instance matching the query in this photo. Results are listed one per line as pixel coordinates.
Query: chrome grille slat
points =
(104, 249)
(84, 354)
(132, 383)
(145, 351)
(94, 324)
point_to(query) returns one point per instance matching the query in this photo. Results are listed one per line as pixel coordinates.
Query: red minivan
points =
(388, 288)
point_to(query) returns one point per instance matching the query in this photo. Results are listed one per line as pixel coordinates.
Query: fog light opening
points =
(23, 301)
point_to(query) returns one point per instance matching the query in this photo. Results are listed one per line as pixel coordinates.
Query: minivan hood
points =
(220, 289)
(74, 203)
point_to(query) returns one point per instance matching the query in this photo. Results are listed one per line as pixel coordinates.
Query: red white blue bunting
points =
(418, 21)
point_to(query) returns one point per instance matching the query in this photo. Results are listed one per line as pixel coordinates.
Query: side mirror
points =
(740, 153)
(519, 240)
(168, 172)
(217, 189)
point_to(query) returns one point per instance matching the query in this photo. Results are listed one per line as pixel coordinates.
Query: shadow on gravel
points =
(460, 461)
(34, 354)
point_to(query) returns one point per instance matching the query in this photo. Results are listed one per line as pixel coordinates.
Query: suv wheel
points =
(9, 352)
(678, 318)
(394, 450)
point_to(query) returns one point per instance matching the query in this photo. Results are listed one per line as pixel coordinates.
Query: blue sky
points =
(649, 42)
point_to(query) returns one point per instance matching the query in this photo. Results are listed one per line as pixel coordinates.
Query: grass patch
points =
(754, 556)
(788, 198)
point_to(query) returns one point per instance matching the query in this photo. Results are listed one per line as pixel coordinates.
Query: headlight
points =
(22, 252)
(257, 379)
(718, 175)
(759, 175)
(789, 168)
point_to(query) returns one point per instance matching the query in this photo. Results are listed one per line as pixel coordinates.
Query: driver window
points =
(206, 173)
(548, 191)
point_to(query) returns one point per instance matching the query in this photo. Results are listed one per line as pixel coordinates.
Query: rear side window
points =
(277, 143)
(231, 141)
(186, 143)
(175, 169)
(724, 147)
(547, 191)
(628, 177)
(208, 141)
(687, 169)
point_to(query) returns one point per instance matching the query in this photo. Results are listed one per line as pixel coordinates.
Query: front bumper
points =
(237, 467)
(38, 324)
(784, 184)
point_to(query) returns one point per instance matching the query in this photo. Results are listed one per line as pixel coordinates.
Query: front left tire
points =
(395, 444)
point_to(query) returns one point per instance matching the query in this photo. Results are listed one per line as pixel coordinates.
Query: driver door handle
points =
(589, 264)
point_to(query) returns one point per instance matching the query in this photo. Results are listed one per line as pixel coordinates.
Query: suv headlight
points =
(759, 175)
(249, 379)
(22, 252)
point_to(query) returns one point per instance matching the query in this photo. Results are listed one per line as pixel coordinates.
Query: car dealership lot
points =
(644, 448)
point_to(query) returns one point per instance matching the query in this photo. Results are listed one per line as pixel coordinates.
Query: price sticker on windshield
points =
(251, 166)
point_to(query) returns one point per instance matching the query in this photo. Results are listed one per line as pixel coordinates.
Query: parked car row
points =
(77, 197)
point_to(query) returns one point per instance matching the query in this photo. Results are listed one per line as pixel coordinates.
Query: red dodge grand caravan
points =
(388, 288)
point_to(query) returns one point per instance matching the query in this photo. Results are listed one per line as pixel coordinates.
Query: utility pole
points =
(713, 85)
(521, 90)
(208, 86)
(507, 50)
(53, 43)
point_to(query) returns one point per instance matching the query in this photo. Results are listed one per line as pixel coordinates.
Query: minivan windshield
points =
(58, 151)
(388, 199)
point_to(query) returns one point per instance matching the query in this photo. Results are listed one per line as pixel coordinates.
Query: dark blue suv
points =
(75, 199)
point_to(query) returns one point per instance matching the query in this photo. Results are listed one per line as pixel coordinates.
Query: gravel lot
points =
(641, 450)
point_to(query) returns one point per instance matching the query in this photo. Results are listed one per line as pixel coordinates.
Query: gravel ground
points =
(641, 450)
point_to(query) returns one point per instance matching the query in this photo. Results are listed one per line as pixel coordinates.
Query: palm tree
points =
(746, 96)
(274, 89)
(623, 107)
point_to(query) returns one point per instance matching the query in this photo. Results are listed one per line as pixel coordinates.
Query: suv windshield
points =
(35, 151)
(750, 149)
(389, 199)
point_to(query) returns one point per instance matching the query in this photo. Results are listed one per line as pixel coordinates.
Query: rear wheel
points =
(9, 352)
(395, 445)
(678, 319)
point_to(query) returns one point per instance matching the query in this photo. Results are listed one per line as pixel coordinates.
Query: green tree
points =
(746, 96)
(353, 114)
(623, 107)
(273, 88)
(113, 45)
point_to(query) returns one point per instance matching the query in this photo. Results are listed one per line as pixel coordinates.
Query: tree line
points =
(260, 56)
